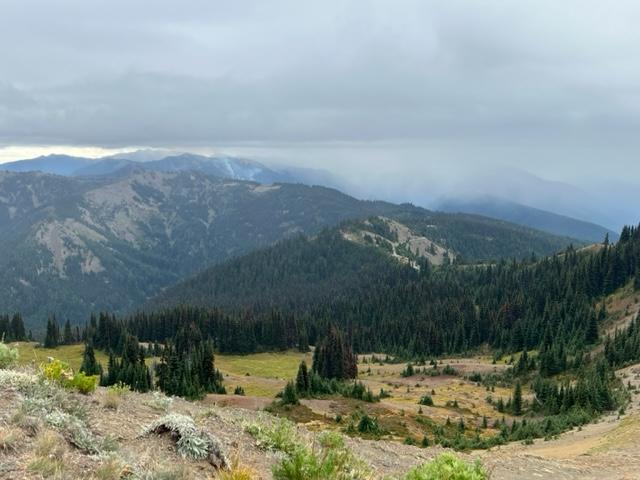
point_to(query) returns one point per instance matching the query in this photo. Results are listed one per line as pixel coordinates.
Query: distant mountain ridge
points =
(507, 205)
(219, 165)
(543, 220)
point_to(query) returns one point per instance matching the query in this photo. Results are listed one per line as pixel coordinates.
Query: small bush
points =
(111, 400)
(447, 467)
(191, 442)
(31, 425)
(160, 402)
(17, 380)
(61, 373)
(57, 371)
(278, 434)
(426, 400)
(84, 384)
(49, 444)
(330, 459)
(8, 355)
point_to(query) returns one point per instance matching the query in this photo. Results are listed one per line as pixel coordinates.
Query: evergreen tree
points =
(67, 338)
(303, 384)
(334, 357)
(289, 395)
(52, 337)
(517, 399)
(90, 365)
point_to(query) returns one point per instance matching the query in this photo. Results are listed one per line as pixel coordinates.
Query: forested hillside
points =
(551, 303)
(72, 246)
(338, 262)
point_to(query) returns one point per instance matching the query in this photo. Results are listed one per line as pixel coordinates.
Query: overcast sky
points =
(435, 87)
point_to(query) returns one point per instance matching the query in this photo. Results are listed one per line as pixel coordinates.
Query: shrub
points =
(289, 395)
(426, 400)
(277, 434)
(239, 391)
(447, 467)
(84, 384)
(57, 371)
(61, 373)
(330, 459)
(159, 401)
(17, 380)
(191, 442)
(8, 355)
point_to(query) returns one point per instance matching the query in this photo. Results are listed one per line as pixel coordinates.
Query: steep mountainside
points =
(76, 245)
(354, 257)
(71, 246)
(529, 216)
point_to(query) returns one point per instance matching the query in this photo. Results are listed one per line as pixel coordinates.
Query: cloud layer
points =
(118, 73)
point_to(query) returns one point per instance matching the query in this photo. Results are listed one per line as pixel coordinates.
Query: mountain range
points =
(79, 244)
(519, 198)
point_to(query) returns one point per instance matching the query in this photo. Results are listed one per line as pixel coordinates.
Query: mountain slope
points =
(73, 245)
(531, 217)
(352, 258)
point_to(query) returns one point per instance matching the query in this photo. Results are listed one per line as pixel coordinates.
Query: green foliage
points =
(447, 467)
(426, 400)
(12, 328)
(8, 356)
(160, 402)
(275, 434)
(289, 395)
(130, 369)
(84, 383)
(90, 365)
(330, 459)
(187, 366)
(334, 357)
(62, 374)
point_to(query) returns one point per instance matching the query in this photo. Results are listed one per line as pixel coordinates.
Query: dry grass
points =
(238, 471)
(111, 469)
(111, 400)
(10, 439)
(49, 454)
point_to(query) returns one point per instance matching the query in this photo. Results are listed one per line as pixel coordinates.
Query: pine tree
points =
(303, 384)
(334, 358)
(90, 366)
(289, 395)
(67, 338)
(52, 337)
(517, 399)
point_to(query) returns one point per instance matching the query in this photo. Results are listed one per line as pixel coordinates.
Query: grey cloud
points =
(115, 72)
